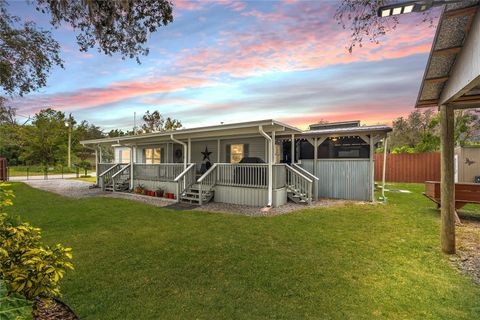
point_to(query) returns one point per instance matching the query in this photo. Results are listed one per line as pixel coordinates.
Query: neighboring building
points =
(250, 163)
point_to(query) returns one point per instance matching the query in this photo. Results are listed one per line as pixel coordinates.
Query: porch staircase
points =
(122, 184)
(297, 196)
(299, 185)
(116, 179)
(192, 195)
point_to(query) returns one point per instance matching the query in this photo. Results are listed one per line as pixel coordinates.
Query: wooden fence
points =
(409, 167)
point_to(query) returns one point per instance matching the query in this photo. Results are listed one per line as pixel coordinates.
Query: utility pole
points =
(69, 124)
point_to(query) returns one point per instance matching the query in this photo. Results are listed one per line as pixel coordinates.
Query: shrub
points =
(13, 306)
(27, 266)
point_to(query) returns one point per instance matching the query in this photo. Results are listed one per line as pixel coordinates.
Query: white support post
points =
(218, 151)
(132, 149)
(273, 148)
(96, 166)
(189, 150)
(167, 159)
(292, 150)
(385, 141)
(315, 156)
(372, 183)
(270, 166)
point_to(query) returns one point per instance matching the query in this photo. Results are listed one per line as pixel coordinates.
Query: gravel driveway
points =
(81, 189)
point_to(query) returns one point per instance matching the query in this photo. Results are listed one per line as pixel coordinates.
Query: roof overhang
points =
(452, 74)
(207, 132)
(353, 131)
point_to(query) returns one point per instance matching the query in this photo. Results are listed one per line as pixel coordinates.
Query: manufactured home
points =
(257, 163)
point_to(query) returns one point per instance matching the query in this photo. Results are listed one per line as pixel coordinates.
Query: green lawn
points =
(135, 261)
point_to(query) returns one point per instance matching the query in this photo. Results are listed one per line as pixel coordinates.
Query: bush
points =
(27, 266)
(14, 306)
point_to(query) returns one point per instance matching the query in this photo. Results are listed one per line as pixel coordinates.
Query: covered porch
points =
(235, 163)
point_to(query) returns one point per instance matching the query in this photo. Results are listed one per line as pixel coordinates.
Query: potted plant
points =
(138, 189)
(159, 193)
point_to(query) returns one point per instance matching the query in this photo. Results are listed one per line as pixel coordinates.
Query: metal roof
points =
(218, 130)
(452, 30)
(349, 130)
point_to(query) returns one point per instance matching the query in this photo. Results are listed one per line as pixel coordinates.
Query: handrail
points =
(207, 173)
(184, 172)
(300, 174)
(109, 169)
(300, 184)
(120, 171)
(305, 171)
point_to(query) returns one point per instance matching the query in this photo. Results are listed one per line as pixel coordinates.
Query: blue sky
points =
(228, 61)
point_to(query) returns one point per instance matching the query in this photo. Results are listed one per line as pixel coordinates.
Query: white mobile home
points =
(251, 163)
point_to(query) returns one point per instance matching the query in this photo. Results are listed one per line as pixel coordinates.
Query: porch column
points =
(372, 183)
(315, 155)
(218, 151)
(273, 148)
(132, 150)
(447, 192)
(270, 167)
(292, 150)
(189, 150)
(96, 165)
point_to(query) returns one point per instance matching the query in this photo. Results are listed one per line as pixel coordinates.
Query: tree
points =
(44, 141)
(84, 131)
(27, 53)
(154, 122)
(7, 113)
(360, 17)
(9, 137)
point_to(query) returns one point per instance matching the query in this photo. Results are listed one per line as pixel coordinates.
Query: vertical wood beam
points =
(447, 200)
(315, 156)
(131, 167)
(96, 165)
(273, 148)
(218, 151)
(189, 150)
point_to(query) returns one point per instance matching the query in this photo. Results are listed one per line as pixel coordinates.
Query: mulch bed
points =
(55, 310)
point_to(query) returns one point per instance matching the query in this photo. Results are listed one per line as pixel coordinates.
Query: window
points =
(153, 155)
(236, 153)
(123, 155)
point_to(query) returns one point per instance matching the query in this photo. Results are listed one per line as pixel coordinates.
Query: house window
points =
(123, 155)
(153, 155)
(236, 153)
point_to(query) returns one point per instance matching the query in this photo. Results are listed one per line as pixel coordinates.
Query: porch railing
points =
(117, 176)
(207, 181)
(102, 167)
(157, 172)
(300, 184)
(185, 179)
(242, 175)
(106, 176)
(314, 178)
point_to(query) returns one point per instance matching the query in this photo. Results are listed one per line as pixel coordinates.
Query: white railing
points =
(185, 179)
(207, 181)
(117, 176)
(102, 167)
(311, 176)
(242, 175)
(106, 176)
(157, 172)
(299, 184)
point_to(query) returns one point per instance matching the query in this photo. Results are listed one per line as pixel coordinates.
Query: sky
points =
(233, 61)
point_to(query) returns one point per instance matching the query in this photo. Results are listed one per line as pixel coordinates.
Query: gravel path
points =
(81, 189)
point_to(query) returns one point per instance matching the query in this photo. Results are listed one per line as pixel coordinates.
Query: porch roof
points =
(348, 131)
(447, 78)
(206, 132)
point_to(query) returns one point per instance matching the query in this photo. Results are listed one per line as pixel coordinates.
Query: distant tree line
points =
(44, 139)
(420, 131)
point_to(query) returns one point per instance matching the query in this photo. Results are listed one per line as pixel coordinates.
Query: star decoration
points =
(206, 154)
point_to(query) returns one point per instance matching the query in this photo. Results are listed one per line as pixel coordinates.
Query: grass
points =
(135, 261)
(21, 171)
(87, 179)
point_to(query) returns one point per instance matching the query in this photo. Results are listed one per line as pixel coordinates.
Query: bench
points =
(464, 193)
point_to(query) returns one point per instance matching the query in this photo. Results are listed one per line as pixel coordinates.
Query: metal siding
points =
(249, 196)
(342, 179)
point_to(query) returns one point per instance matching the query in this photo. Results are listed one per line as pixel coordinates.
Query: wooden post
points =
(447, 179)
(96, 166)
(315, 156)
(218, 151)
(189, 150)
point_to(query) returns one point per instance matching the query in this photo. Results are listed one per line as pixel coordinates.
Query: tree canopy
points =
(155, 122)
(28, 53)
